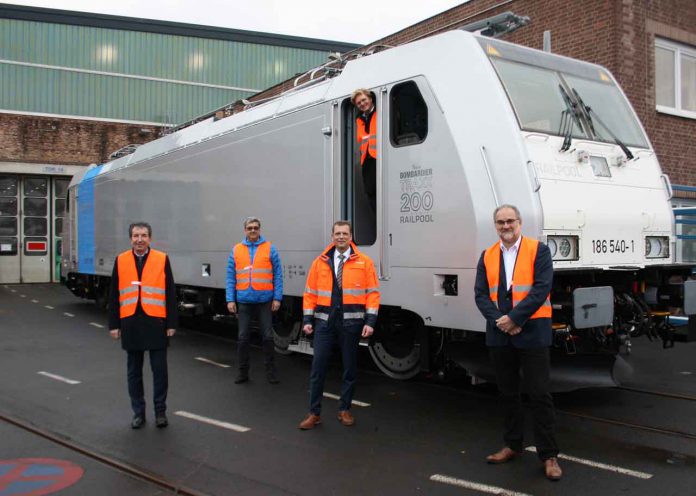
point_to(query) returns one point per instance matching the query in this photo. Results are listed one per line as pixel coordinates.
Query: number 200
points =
(416, 201)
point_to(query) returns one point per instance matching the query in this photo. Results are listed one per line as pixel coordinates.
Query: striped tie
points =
(339, 273)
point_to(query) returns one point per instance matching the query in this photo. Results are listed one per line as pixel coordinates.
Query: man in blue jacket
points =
(254, 287)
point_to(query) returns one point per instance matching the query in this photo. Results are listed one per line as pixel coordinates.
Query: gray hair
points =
(140, 224)
(507, 205)
(250, 220)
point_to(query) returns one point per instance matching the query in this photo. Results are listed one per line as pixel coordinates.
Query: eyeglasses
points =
(506, 222)
(253, 228)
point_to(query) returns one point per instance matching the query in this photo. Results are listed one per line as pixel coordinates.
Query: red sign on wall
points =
(36, 246)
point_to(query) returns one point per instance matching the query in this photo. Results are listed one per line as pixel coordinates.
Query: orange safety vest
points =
(260, 273)
(150, 290)
(367, 141)
(522, 275)
(360, 287)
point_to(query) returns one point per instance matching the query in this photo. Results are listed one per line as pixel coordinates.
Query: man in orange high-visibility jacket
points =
(513, 283)
(254, 287)
(143, 314)
(340, 305)
(366, 136)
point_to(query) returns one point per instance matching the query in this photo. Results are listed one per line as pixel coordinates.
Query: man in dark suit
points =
(513, 283)
(143, 314)
(340, 305)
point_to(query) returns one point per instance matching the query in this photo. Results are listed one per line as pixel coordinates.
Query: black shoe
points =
(137, 422)
(272, 377)
(242, 377)
(161, 421)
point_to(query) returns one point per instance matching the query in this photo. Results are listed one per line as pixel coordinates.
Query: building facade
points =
(77, 87)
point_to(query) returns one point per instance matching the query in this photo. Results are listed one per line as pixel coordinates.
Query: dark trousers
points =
(325, 338)
(245, 312)
(534, 364)
(160, 380)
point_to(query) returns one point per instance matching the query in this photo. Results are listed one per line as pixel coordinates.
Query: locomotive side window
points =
(409, 115)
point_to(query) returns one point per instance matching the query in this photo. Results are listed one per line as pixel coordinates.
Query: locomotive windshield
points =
(536, 82)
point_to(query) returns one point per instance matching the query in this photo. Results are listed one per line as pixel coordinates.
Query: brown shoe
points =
(552, 469)
(504, 455)
(310, 422)
(346, 418)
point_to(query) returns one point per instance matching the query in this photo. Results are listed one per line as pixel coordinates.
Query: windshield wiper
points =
(568, 117)
(589, 113)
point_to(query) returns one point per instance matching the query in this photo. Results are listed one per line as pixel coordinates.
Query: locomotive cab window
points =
(409, 115)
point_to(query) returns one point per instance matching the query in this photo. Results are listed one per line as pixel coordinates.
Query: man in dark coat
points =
(513, 282)
(143, 314)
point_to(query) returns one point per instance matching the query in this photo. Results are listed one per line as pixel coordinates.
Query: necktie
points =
(339, 273)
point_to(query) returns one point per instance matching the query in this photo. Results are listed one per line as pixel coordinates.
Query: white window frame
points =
(678, 50)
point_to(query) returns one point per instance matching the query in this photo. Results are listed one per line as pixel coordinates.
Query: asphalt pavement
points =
(62, 373)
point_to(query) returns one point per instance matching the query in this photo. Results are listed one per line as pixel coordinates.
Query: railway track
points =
(112, 463)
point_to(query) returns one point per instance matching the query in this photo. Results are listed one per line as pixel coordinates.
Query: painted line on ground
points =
(13, 290)
(217, 423)
(49, 307)
(599, 465)
(22, 296)
(34, 301)
(58, 377)
(96, 325)
(336, 397)
(68, 314)
(475, 486)
(211, 362)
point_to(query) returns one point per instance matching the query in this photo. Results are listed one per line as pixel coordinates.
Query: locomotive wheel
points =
(395, 349)
(286, 328)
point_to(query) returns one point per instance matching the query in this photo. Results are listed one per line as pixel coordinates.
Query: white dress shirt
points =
(337, 260)
(509, 259)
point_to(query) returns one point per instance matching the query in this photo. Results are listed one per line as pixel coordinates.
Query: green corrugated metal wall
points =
(241, 68)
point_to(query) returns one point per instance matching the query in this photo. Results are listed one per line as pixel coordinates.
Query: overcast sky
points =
(355, 21)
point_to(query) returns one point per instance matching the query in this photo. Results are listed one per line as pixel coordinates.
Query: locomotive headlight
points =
(563, 247)
(656, 246)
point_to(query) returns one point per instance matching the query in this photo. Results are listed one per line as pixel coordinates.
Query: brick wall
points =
(65, 141)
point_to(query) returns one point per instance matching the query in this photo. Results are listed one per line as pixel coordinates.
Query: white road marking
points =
(13, 290)
(22, 296)
(475, 486)
(602, 466)
(217, 364)
(686, 372)
(68, 314)
(96, 325)
(354, 402)
(49, 307)
(217, 423)
(58, 377)
(34, 301)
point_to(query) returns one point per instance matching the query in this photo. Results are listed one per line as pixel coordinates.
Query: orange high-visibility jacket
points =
(260, 273)
(522, 276)
(150, 290)
(360, 290)
(367, 139)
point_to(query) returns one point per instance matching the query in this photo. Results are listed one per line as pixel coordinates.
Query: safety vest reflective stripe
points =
(129, 289)
(367, 139)
(354, 315)
(321, 316)
(258, 274)
(151, 292)
(308, 311)
(372, 311)
(522, 277)
(152, 301)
